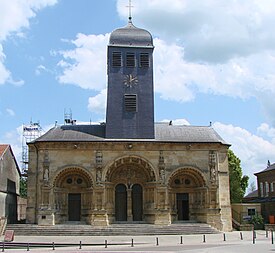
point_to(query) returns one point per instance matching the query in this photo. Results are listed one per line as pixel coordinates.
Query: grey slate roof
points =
(131, 36)
(269, 168)
(163, 133)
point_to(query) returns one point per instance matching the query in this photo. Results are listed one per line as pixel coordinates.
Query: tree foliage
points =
(238, 182)
(23, 187)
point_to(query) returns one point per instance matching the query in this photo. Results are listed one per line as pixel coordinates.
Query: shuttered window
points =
(130, 102)
(116, 59)
(130, 60)
(144, 60)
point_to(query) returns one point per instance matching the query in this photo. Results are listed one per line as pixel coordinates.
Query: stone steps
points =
(113, 229)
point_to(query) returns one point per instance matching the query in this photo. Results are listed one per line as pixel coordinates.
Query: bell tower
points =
(130, 96)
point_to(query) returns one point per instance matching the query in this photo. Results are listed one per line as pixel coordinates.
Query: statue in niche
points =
(98, 175)
(46, 174)
(162, 174)
(212, 167)
(161, 167)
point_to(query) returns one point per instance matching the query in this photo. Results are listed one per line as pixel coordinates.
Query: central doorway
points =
(74, 206)
(183, 206)
(137, 203)
(121, 202)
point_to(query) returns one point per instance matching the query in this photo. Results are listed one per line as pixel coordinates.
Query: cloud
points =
(15, 15)
(97, 104)
(10, 112)
(211, 31)
(85, 65)
(253, 150)
(215, 47)
(4, 73)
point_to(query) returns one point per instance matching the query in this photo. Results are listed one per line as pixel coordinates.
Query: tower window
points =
(130, 60)
(144, 60)
(116, 59)
(130, 102)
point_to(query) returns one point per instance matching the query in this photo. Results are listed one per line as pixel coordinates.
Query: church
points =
(130, 168)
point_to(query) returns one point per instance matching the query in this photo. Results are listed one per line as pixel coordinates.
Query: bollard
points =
(181, 240)
(266, 233)
(224, 238)
(105, 243)
(132, 244)
(3, 246)
(253, 237)
(80, 245)
(241, 235)
(204, 239)
(53, 246)
(157, 241)
(272, 238)
(28, 247)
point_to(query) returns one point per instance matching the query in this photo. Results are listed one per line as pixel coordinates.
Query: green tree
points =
(23, 187)
(238, 182)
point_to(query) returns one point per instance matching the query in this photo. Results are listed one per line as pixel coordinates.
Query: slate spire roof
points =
(131, 36)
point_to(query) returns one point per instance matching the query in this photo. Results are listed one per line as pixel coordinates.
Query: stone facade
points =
(129, 169)
(177, 181)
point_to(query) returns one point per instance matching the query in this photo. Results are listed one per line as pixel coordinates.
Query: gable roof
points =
(269, 168)
(3, 150)
(163, 133)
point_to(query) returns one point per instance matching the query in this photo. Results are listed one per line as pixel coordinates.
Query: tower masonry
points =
(130, 99)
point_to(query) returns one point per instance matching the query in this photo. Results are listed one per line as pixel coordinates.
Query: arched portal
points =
(132, 180)
(72, 195)
(188, 194)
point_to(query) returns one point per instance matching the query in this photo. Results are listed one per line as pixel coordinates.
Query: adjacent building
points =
(265, 195)
(129, 169)
(9, 184)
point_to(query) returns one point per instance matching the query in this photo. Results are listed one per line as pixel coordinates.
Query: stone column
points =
(129, 205)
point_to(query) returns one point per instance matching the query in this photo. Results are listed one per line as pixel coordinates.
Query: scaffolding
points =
(30, 133)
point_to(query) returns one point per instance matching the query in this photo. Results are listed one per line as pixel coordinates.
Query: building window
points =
(272, 187)
(130, 102)
(130, 60)
(251, 211)
(116, 59)
(266, 188)
(144, 60)
(261, 189)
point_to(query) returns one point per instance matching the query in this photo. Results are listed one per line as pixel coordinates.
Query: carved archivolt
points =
(187, 177)
(73, 176)
(130, 167)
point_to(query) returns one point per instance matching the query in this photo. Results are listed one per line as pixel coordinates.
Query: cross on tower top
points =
(130, 6)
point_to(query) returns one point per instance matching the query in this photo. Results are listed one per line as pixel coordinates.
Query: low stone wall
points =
(21, 208)
(269, 227)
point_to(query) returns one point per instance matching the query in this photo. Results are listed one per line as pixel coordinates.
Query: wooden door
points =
(74, 206)
(183, 206)
(137, 202)
(121, 202)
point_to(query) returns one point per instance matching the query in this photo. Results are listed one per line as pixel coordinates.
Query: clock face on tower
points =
(130, 80)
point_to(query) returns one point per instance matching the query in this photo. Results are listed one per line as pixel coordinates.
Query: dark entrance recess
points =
(121, 202)
(137, 203)
(74, 206)
(183, 206)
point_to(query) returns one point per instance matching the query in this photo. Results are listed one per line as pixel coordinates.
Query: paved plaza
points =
(213, 243)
